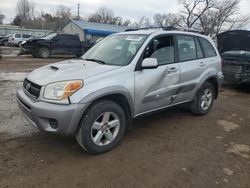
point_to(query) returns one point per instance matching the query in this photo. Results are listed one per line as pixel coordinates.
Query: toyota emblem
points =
(27, 87)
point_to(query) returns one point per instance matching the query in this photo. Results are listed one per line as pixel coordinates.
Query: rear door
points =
(157, 88)
(193, 64)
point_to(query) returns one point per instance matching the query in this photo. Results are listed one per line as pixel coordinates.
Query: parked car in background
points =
(4, 40)
(1, 38)
(234, 47)
(17, 38)
(54, 44)
(124, 76)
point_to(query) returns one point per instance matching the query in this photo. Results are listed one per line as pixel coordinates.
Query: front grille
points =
(31, 88)
(232, 68)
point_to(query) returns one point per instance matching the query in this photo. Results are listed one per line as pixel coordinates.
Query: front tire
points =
(102, 127)
(5, 43)
(44, 52)
(203, 100)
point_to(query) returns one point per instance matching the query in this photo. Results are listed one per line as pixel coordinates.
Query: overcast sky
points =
(130, 9)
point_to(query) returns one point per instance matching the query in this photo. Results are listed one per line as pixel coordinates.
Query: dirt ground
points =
(172, 148)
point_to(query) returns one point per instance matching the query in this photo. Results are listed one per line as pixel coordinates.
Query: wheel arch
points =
(214, 82)
(121, 97)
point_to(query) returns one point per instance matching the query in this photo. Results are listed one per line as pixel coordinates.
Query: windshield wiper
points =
(96, 60)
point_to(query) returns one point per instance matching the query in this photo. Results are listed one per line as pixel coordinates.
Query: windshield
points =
(116, 50)
(50, 36)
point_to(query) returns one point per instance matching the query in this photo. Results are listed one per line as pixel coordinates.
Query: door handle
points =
(172, 69)
(202, 64)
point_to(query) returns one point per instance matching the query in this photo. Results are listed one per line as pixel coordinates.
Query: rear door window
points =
(207, 48)
(186, 48)
(26, 36)
(17, 35)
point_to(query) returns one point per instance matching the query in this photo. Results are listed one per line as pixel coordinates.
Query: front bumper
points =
(40, 114)
(237, 78)
(24, 51)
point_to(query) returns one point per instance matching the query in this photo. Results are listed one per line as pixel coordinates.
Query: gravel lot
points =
(172, 148)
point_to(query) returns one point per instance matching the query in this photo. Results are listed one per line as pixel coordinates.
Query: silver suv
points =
(17, 38)
(124, 76)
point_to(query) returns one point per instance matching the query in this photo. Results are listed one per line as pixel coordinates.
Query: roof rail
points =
(168, 28)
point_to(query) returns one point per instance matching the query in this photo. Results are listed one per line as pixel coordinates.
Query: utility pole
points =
(78, 12)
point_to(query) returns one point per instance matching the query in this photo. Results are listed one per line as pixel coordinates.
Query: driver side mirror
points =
(149, 63)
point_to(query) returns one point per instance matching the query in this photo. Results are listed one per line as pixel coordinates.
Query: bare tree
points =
(224, 16)
(102, 15)
(26, 11)
(194, 9)
(62, 16)
(164, 20)
(142, 22)
(63, 12)
(106, 15)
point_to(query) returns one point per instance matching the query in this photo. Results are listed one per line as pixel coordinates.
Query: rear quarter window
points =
(207, 47)
(26, 36)
(186, 47)
(17, 35)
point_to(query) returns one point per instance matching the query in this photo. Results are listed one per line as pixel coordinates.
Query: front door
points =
(59, 45)
(157, 88)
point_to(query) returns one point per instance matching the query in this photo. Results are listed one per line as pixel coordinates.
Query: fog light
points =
(53, 123)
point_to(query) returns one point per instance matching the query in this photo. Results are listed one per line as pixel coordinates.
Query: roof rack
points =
(168, 28)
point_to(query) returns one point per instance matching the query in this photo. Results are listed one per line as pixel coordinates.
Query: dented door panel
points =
(156, 88)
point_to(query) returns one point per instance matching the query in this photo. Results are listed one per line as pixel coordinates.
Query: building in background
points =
(91, 31)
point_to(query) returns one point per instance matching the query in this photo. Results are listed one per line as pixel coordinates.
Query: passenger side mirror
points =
(149, 63)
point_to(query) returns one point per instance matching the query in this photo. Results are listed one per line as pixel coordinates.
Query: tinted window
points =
(71, 38)
(198, 49)
(207, 48)
(60, 39)
(26, 36)
(162, 49)
(50, 36)
(18, 36)
(186, 47)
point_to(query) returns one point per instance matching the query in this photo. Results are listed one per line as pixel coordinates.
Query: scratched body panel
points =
(155, 87)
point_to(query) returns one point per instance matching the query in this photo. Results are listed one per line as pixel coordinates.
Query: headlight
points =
(62, 90)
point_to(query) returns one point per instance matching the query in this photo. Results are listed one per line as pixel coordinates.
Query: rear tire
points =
(102, 127)
(44, 52)
(203, 100)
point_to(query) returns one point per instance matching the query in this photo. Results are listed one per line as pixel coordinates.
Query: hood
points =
(35, 39)
(238, 40)
(68, 70)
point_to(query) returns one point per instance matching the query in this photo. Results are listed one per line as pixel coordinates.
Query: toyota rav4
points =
(126, 75)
